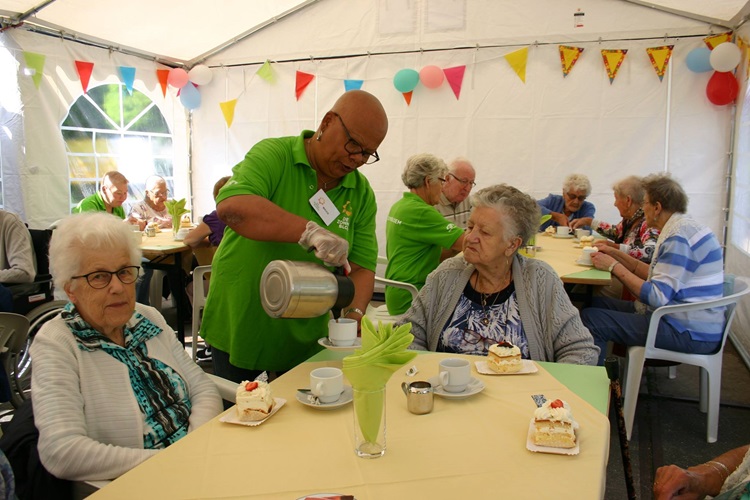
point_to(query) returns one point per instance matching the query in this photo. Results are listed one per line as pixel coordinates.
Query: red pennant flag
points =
(84, 73)
(303, 80)
(407, 97)
(455, 77)
(162, 75)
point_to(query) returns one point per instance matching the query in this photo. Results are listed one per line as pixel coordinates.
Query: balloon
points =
(190, 97)
(200, 75)
(177, 78)
(725, 57)
(722, 88)
(431, 77)
(698, 60)
(406, 80)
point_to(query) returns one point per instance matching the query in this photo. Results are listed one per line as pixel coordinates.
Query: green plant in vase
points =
(176, 209)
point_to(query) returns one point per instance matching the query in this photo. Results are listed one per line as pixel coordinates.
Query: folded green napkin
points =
(384, 350)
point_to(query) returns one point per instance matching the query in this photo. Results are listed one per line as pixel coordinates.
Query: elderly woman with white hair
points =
(417, 236)
(570, 205)
(111, 384)
(491, 294)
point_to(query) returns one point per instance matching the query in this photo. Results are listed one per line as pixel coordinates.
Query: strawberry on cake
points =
(254, 401)
(554, 425)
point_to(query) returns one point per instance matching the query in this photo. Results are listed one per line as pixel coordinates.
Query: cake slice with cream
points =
(554, 425)
(504, 357)
(254, 401)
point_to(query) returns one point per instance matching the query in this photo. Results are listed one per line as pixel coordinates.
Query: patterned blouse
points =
(633, 233)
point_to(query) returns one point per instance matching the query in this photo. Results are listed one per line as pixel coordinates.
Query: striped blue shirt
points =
(687, 267)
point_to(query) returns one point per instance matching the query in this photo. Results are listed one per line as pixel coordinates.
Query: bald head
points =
(459, 181)
(362, 112)
(114, 189)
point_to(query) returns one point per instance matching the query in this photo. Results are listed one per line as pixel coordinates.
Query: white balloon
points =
(725, 57)
(200, 75)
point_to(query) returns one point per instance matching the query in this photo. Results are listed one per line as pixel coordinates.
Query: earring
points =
(320, 134)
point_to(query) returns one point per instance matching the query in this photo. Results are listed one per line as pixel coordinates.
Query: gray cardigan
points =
(552, 324)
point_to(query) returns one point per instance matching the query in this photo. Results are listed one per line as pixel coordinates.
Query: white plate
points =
(547, 449)
(563, 236)
(475, 387)
(343, 400)
(231, 416)
(582, 263)
(527, 366)
(327, 344)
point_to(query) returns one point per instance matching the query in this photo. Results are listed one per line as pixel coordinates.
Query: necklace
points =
(485, 297)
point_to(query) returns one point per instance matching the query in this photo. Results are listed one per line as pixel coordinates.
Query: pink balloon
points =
(431, 77)
(177, 78)
(722, 88)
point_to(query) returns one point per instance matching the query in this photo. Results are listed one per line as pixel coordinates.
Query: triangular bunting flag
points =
(84, 73)
(455, 77)
(568, 57)
(35, 63)
(612, 61)
(407, 97)
(517, 61)
(714, 40)
(163, 75)
(659, 57)
(227, 109)
(266, 72)
(303, 80)
(352, 85)
(128, 77)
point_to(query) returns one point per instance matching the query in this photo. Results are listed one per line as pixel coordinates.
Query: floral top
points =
(143, 211)
(633, 235)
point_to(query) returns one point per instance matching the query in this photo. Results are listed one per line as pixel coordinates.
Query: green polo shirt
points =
(95, 203)
(415, 235)
(234, 320)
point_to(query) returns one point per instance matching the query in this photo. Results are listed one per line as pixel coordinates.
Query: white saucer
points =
(527, 366)
(327, 344)
(475, 387)
(548, 449)
(345, 398)
(581, 263)
(231, 416)
(563, 236)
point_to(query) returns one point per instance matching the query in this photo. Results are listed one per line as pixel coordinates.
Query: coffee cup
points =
(418, 397)
(582, 232)
(563, 230)
(327, 384)
(586, 255)
(455, 374)
(342, 331)
(181, 233)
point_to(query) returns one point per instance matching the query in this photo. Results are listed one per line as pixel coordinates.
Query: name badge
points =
(323, 205)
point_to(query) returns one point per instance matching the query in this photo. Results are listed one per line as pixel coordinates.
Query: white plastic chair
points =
(155, 289)
(380, 313)
(709, 364)
(199, 300)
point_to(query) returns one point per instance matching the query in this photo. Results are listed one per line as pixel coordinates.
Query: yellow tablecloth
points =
(561, 254)
(471, 448)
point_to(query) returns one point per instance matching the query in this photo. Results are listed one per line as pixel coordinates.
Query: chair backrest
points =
(40, 239)
(398, 284)
(199, 300)
(14, 328)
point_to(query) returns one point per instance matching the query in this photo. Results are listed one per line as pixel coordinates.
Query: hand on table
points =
(582, 222)
(602, 261)
(674, 482)
(330, 248)
(606, 246)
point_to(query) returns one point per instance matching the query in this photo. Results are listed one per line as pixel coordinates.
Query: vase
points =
(369, 423)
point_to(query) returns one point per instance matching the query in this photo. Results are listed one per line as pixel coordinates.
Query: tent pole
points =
(190, 162)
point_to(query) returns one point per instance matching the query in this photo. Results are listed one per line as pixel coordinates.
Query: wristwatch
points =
(352, 310)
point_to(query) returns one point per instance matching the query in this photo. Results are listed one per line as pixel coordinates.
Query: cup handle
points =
(405, 388)
(317, 389)
(444, 378)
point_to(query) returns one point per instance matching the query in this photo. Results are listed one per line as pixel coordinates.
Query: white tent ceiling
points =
(188, 31)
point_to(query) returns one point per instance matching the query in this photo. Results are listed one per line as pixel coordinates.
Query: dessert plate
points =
(475, 387)
(582, 263)
(563, 236)
(527, 366)
(548, 449)
(327, 344)
(231, 416)
(344, 399)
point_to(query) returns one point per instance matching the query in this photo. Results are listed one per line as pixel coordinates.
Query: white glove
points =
(329, 248)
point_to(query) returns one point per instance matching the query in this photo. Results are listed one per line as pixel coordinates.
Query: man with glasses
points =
(110, 197)
(454, 201)
(298, 198)
(152, 207)
(570, 205)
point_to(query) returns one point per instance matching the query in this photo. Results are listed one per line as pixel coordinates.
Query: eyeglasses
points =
(574, 197)
(465, 182)
(100, 279)
(473, 338)
(442, 180)
(353, 147)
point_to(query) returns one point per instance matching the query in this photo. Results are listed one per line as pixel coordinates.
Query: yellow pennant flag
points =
(659, 57)
(227, 109)
(517, 61)
(35, 66)
(714, 40)
(612, 61)
(266, 72)
(568, 57)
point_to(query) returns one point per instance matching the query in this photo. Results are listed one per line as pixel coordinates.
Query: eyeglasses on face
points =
(100, 279)
(464, 182)
(573, 196)
(354, 148)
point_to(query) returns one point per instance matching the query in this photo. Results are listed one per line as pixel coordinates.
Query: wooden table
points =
(470, 448)
(174, 258)
(561, 254)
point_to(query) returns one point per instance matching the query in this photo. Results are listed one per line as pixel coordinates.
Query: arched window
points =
(111, 129)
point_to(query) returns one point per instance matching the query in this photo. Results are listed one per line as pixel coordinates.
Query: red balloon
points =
(722, 88)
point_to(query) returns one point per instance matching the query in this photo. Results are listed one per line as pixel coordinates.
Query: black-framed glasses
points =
(574, 197)
(473, 338)
(354, 148)
(100, 279)
(464, 182)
